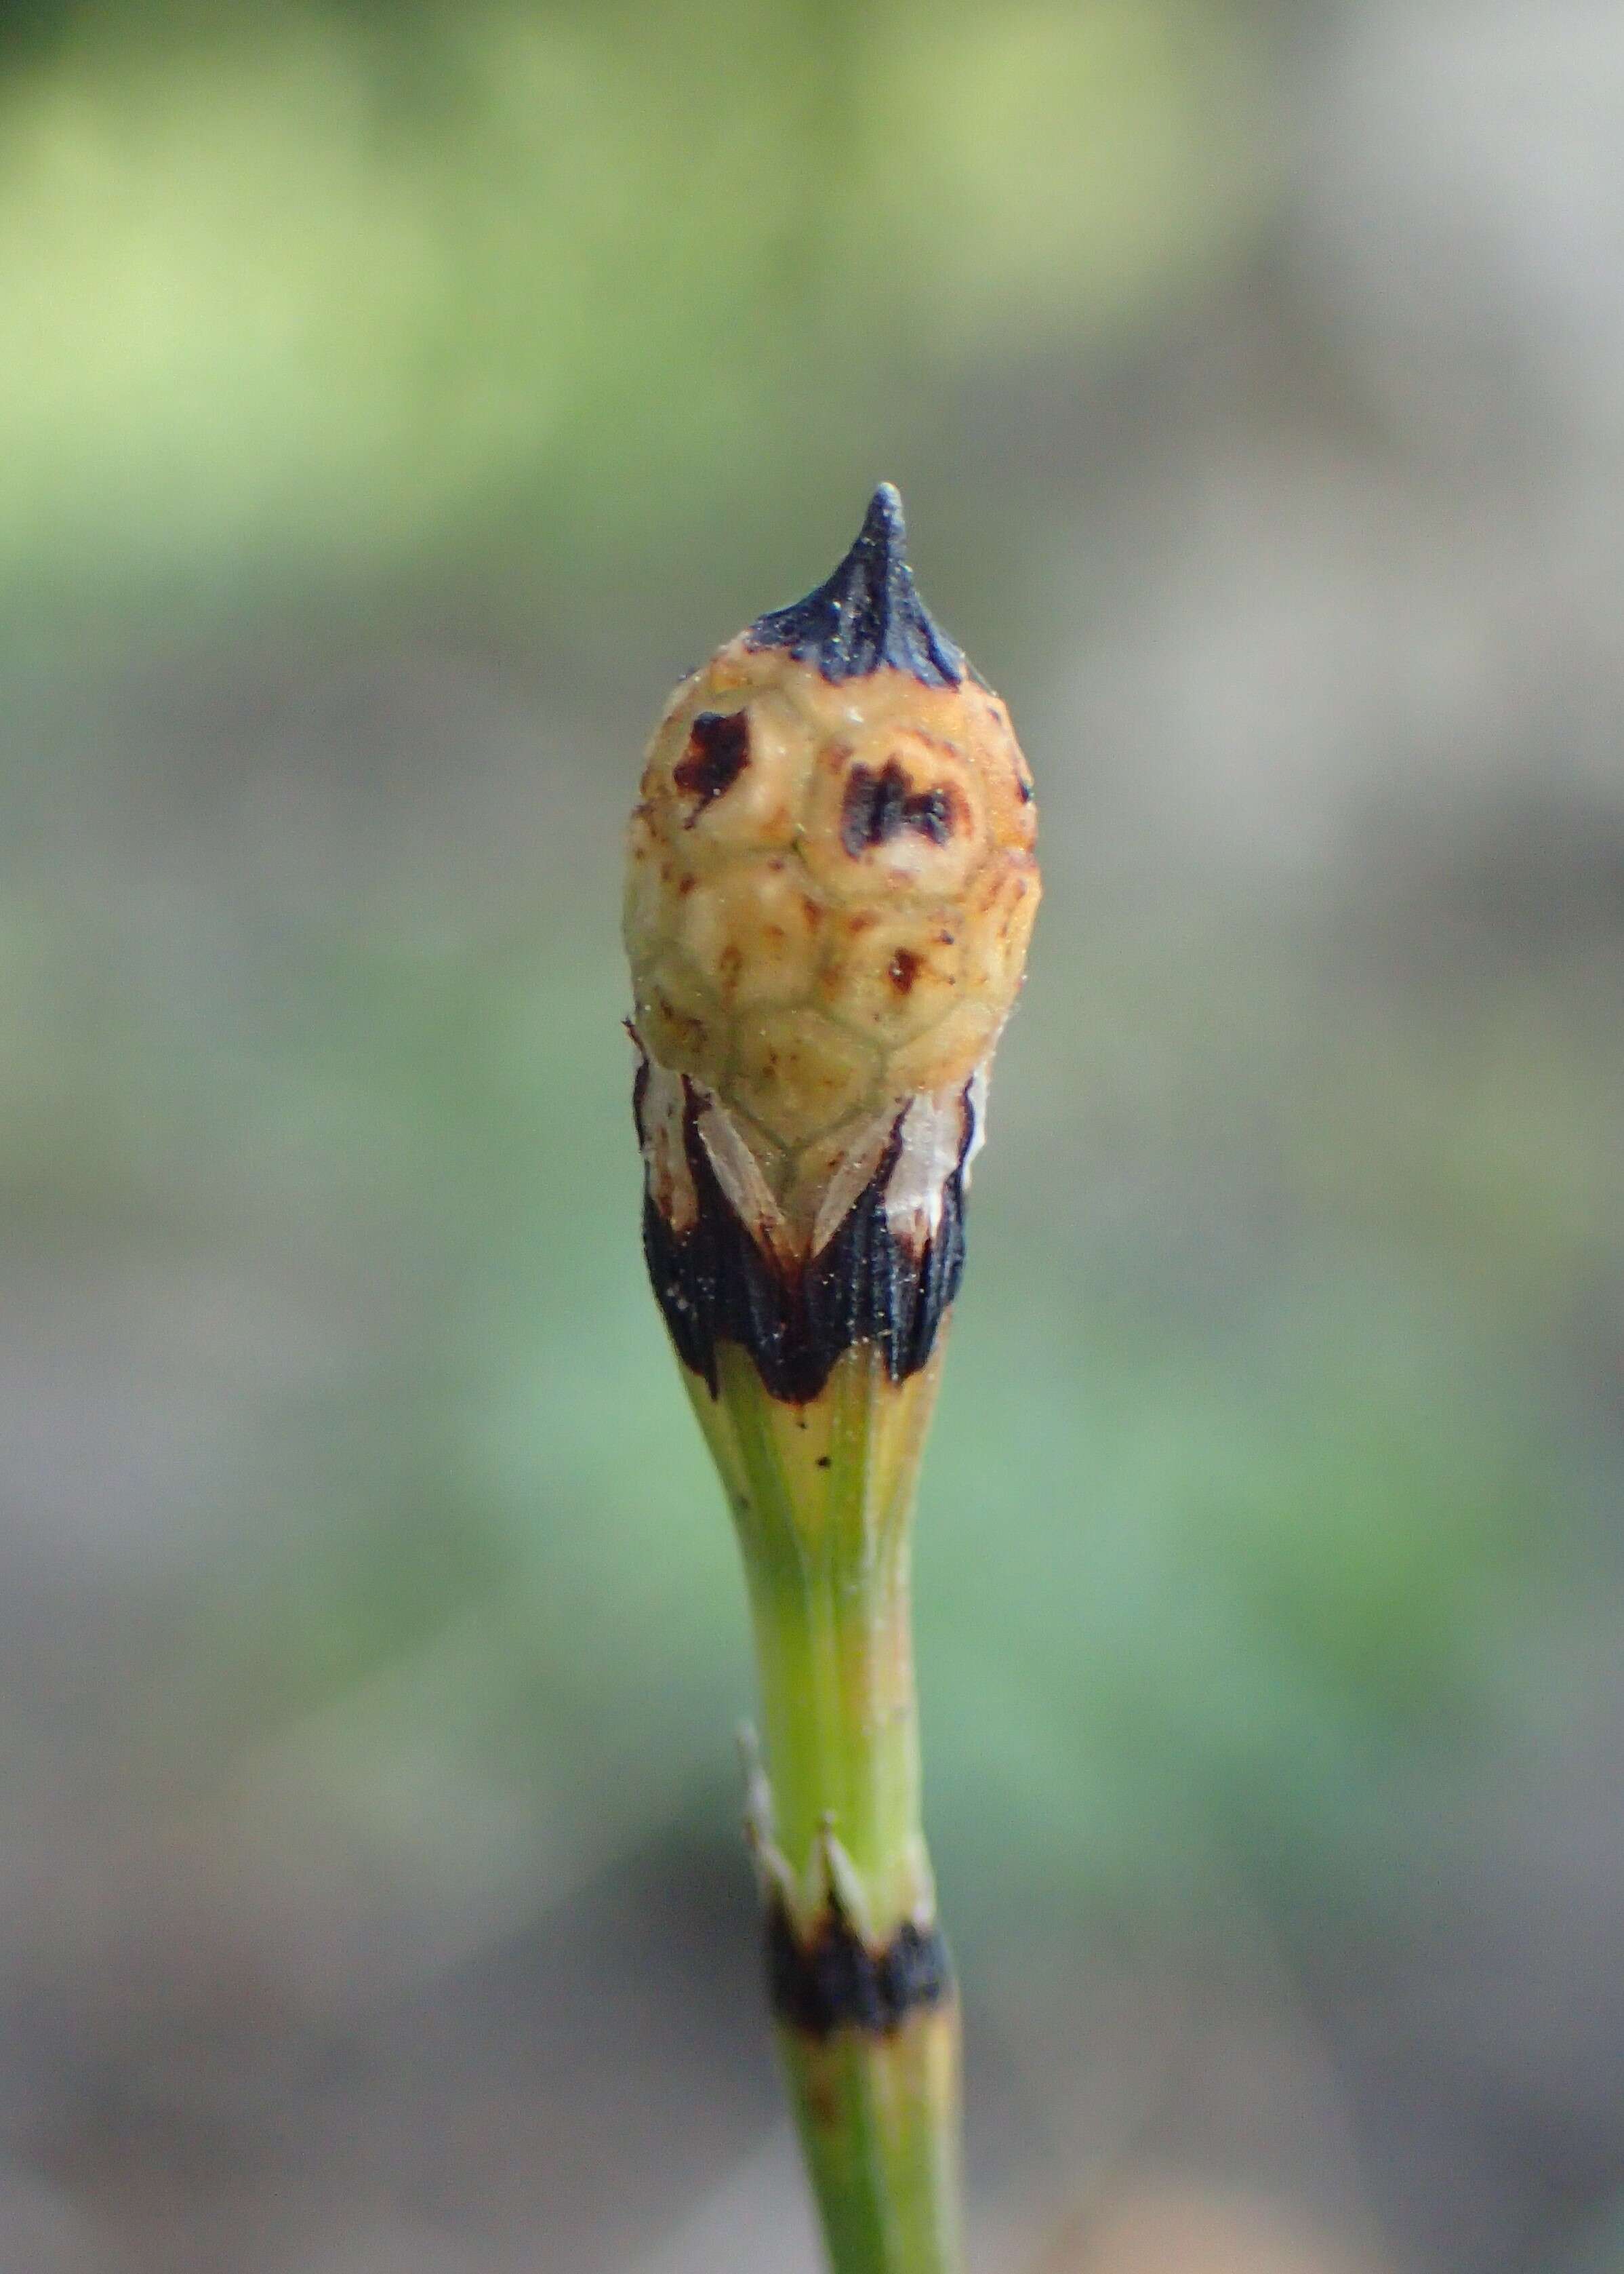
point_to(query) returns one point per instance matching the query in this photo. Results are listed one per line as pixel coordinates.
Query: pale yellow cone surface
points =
(829, 894)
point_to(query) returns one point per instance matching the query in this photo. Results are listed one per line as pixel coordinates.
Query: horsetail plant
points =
(832, 884)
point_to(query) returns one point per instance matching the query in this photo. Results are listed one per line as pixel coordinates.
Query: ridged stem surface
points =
(822, 1495)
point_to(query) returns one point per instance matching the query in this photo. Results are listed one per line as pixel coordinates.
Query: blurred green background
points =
(393, 401)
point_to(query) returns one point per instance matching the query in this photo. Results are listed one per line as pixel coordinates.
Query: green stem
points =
(822, 1495)
(878, 2121)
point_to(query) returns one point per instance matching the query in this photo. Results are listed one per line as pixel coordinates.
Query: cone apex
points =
(868, 615)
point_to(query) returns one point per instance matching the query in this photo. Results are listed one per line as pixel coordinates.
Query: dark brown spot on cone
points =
(876, 808)
(903, 970)
(717, 752)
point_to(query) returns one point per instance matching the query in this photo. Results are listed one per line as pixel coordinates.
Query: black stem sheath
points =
(714, 1283)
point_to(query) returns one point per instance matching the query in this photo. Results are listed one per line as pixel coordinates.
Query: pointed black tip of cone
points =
(884, 523)
(867, 614)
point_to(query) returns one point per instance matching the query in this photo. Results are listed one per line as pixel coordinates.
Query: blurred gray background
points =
(393, 401)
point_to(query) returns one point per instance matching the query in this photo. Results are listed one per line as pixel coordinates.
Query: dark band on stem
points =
(867, 614)
(714, 1283)
(835, 1982)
